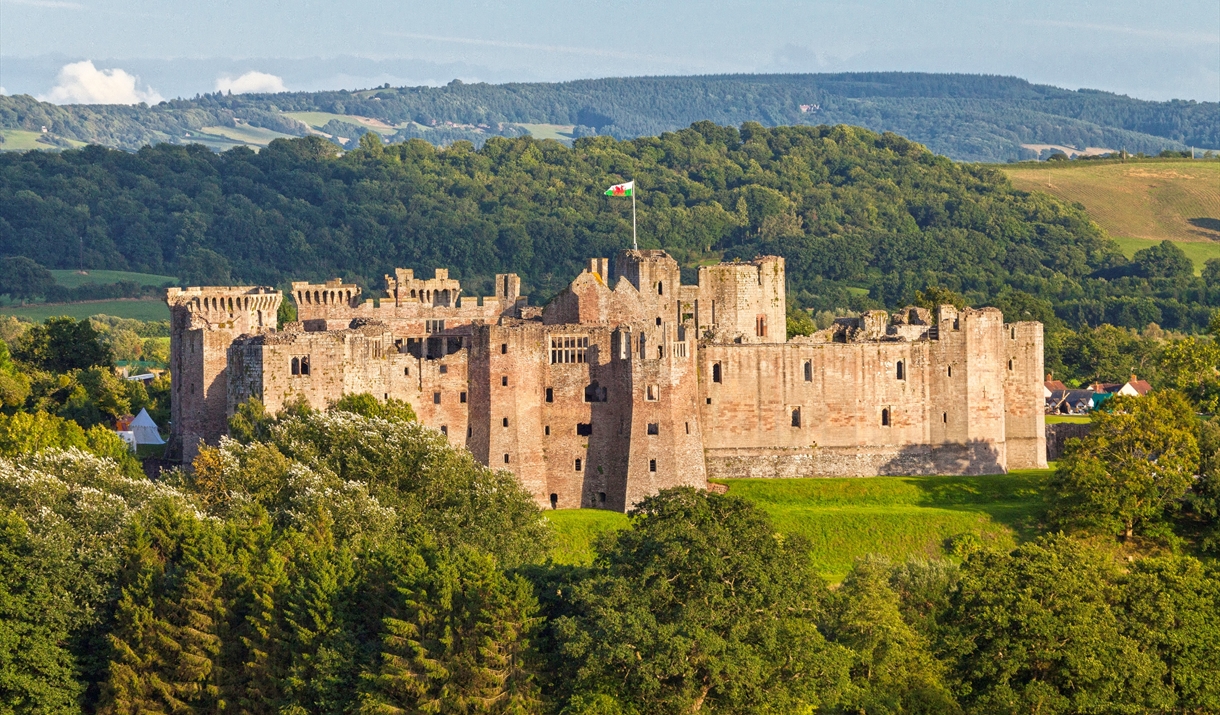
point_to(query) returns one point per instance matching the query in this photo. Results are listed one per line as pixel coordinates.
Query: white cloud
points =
(82, 83)
(251, 82)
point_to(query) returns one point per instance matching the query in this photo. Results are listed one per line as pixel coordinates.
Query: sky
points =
(145, 50)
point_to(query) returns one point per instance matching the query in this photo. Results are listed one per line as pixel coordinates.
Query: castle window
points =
(715, 373)
(949, 371)
(568, 348)
(504, 381)
(554, 501)
(505, 421)
(660, 351)
(506, 459)
(796, 417)
(584, 429)
(462, 397)
(601, 497)
(547, 430)
(901, 371)
(469, 432)
(944, 417)
(436, 398)
(296, 366)
(1010, 365)
(658, 321)
(578, 465)
(550, 394)
(885, 418)
(445, 430)
(760, 326)
(660, 288)
(652, 393)
(503, 348)
(654, 428)
(652, 465)
(305, 365)
(434, 326)
(957, 325)
(444, 369)
(808, 371)
(709, 400)
(688, 428)
(406, 371)
(1014, 333)
(595, 392)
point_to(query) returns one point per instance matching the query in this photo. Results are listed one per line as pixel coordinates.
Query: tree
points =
(935, 296)
(1204, 498)
(1192, 366)
(1164, 260)
(62, 344)
(1137, 461)
(365, 405)
(893, 669)
(1035, 630)
(22, 278)
(702, 605)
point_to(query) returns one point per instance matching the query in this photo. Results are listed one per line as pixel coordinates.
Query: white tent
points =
(145, 429)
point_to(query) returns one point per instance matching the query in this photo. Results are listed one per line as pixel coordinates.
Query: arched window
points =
(554, 498)
(885, 417)
(296, 366)
(808, 371)
(715, 372)
(901, 371)
(796, 417)
(305, 365)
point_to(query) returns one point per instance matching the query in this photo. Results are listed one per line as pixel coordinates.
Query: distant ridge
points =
(965, 117)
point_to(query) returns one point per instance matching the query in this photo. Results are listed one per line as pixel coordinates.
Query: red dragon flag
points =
(621, 189)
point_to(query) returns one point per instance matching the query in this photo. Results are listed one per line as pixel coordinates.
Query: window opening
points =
(652, 465)
(462, 397)
(901, 371)
(950, 371)
(444, 369)
(296, 366)
(578, 464)
(305, 365)
(547, 430)
(760, 326)
(436, 398)
(1010, 365)
(660, 288)
(406, 371)
(554, 501)
(584, 429)
(506, 459)
(595, 392)
(503, 348)
(434, 326)
(688, 428)
(944, 417)
(652, 393)
(796, 417)
(658, 321)
(654, 428)
(885, 418)
(505, 421)
(601, 497)
(715, 372)
(808, 371)
(568, 349)
(504, 381)
(550, 394)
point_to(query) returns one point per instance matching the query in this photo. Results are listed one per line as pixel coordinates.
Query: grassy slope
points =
(1139, 203)
(72, 279)
(254, 137)
(558, 132)
(848, 518)
(317, 120)
(21, 140)
(137, 309)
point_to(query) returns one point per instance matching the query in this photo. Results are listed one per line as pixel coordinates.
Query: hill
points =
(1139, 204)
(863, 220)
(966, 117)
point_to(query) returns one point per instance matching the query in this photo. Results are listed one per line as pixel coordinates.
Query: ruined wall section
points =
(204, 322)
(743, 302)
(1024, 424)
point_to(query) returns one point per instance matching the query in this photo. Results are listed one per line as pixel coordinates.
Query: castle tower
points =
(204, 322)
(744, 302)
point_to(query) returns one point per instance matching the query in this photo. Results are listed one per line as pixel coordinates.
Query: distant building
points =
(627, 382)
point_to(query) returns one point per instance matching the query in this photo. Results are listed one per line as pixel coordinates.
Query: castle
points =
(627, 382)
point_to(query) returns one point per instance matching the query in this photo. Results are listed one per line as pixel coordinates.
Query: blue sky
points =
(1158, 50)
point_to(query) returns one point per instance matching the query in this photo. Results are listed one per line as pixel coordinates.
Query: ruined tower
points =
(203, 323)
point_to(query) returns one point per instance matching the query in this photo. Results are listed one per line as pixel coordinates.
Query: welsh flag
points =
(621, 189)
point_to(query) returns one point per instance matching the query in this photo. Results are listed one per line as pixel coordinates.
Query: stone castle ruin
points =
(628, 382)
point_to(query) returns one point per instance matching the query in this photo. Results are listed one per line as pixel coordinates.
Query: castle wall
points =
(1024, 424)
(745, 302)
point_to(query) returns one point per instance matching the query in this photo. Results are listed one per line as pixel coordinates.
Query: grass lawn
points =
(137, 309)
(848, 518)
(1073, 419)
(72, 279)
(1140, 202)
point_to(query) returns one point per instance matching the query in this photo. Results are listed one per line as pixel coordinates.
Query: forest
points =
(966, 117)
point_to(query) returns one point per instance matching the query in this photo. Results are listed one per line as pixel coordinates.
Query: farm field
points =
(317, 120)
(135, 309)
(253, 137)
(848, 518)
(22, 140)
(1138, 203)
(73, 279)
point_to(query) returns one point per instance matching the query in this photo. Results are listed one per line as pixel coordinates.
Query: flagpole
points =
(634, 243)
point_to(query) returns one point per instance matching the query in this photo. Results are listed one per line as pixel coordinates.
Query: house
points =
(1131, 388)
(1070, 402)
(1050, 386)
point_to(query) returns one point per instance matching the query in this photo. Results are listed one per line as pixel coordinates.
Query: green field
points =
(152, 309)
(558, 132)
(848, 518)
(72, 279)
(317, 120)
(254, 137)
(1138, 203)
(21, 140)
